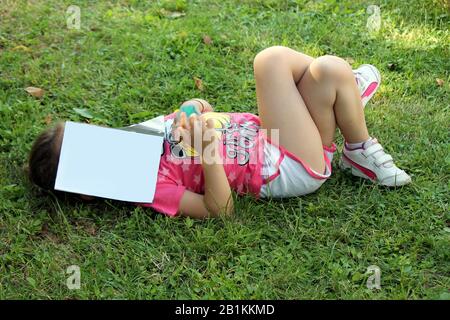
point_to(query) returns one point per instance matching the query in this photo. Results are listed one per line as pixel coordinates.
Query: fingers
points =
(183, 121)
(187, 128)
(197, 122)
(197, 128)
(180, 134)
(200, 105)
(189, 122)
(192, 121)
(185, 136)
(194, 129)
(210, 124)
(176, 135)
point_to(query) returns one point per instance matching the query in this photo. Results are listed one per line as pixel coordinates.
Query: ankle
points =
(356, 144)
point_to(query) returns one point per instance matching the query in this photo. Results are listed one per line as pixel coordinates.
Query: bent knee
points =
(331, 67)
(269, 57)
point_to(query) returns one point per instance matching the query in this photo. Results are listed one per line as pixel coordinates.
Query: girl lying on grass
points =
(301, 100)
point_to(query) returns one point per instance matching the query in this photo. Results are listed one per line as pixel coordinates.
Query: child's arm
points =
(201, 105)
(217, 199)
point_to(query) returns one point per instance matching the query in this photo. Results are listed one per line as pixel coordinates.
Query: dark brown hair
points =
(44, 157)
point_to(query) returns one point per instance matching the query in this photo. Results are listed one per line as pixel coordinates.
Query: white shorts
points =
(288, 175)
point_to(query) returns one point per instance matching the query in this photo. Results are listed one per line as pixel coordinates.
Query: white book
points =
(110, 163)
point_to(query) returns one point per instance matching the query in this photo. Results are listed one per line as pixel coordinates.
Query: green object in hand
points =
(188, 110)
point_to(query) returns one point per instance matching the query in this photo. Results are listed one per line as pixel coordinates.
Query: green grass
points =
(131, 61)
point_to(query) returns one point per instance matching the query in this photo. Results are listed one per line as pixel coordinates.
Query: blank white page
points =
(108, 163)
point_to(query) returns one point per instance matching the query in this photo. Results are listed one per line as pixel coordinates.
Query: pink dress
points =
(253, 164)
(241, 149)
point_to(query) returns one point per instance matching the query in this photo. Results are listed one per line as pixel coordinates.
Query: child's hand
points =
(195, 131)
(200, 104)
(193, 106)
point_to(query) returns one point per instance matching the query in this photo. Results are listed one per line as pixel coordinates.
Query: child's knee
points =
(331, 68)
(269, 58)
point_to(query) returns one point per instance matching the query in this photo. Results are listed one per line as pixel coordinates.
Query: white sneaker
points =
(368, 79)
(370, 162)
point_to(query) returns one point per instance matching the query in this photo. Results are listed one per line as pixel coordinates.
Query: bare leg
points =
(325, 96)
(330, 92)
(280, 105)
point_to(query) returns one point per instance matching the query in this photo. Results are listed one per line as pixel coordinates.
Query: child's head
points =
(44, 157)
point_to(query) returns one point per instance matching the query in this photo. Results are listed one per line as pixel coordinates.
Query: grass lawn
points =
(133, 60)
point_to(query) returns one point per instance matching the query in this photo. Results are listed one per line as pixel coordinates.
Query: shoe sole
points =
(374, 70)
(359, 172)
